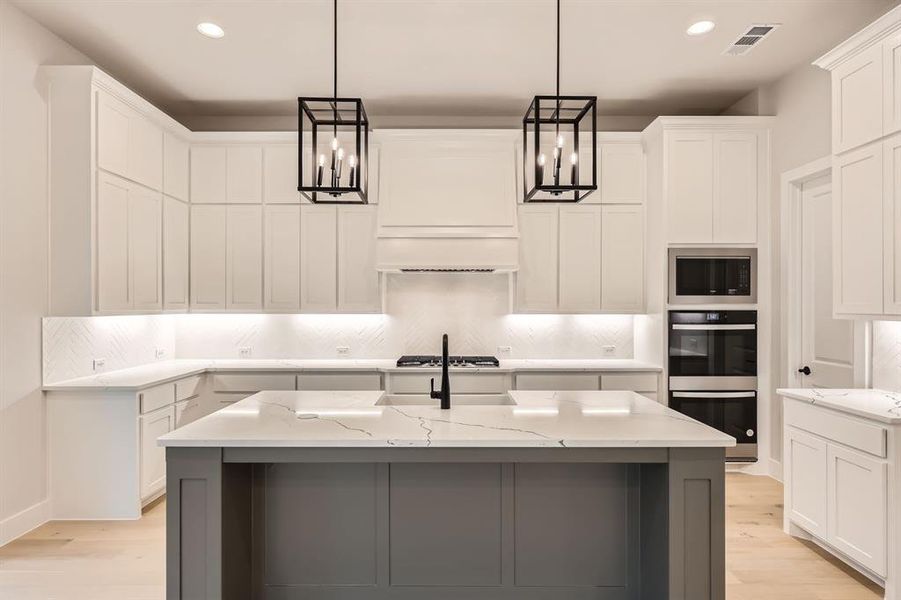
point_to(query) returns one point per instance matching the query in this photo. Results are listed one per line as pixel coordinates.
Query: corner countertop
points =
(533, 419)
(149, 375)
(879, 405)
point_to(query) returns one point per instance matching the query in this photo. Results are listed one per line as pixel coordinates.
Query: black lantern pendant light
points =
(555, 167)
(333, 137)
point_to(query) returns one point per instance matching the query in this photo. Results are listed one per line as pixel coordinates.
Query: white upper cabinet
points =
(280, 174)
(857, 100)
(891, 79)
(689, 187)
(580, 258)
(536, 280)
(281, 251)
(244, 263)
(244, 174)
(622, 259)
(176, 167)
(208, 257)
(175, 254)
(318, 258)
(129, 269)
(128, 143)
(358, 280)
(892, 225)
(736, 180)
(208, 174)
(621, 174)
(857, 231)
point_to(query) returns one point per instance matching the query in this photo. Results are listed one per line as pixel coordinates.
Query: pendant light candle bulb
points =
(352, 163)
(574, 172)
(340, 162)
(319, 169)
(334, 151)
(539, 176)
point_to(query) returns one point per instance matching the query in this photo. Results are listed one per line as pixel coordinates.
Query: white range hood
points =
(447, 200)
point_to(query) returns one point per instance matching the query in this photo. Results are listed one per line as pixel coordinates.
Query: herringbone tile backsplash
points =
(473, 309)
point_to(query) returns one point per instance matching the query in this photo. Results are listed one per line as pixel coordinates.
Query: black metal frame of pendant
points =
(337, 115)
(560, 112)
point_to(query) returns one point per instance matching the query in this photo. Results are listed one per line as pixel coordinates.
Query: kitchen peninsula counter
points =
(569, 495)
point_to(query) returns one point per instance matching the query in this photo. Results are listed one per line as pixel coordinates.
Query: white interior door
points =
(827, 344)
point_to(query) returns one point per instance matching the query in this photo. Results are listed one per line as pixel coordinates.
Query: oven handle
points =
(714, 394)
(748, 327)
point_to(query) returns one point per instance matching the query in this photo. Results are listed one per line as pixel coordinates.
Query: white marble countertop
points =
(536, 419)
(880, 405)
(144, 376)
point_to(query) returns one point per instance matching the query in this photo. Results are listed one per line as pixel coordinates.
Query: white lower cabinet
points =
(153, 457)
(836, 482)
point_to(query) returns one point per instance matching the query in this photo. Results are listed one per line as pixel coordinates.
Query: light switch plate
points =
(504, 349)
(342, 349)
(609, 350)
(160, 353)
(99, 363)
(245, 352)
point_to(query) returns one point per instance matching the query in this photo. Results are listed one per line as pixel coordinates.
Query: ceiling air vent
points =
(750, 38)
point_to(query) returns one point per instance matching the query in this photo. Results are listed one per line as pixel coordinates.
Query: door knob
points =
(805, 370)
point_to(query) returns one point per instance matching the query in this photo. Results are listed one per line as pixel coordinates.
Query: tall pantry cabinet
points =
(118, 193)
(866, 170)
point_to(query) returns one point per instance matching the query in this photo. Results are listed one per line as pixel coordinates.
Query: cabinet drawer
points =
(635, 382)
(187, 388)
(836, 427)
(252, 383)
(557, 381)
(461, 383)
(339, 381)
(156, 397)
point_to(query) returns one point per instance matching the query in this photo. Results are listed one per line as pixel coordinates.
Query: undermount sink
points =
(456, 400)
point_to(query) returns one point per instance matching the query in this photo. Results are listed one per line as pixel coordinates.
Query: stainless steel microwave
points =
(712, 275)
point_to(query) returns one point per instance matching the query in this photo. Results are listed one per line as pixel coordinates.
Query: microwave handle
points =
(714, 394)
(748, 327)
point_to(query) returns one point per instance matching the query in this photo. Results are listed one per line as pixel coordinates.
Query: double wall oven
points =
(713, 373)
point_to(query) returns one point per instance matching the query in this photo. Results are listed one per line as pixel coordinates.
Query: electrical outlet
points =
(343, 349)
(245, 351)
(609, 350)
(504, 349)
(160, 353)
(99, 363)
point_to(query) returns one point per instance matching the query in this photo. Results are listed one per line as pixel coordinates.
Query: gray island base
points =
(281, 500)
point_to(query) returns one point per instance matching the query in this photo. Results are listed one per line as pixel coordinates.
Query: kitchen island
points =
(575, 495)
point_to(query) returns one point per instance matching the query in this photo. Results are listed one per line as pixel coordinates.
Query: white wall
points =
(801, 103)
(24, 45)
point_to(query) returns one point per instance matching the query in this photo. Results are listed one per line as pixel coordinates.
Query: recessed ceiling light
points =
(700, 28)
(211, 30)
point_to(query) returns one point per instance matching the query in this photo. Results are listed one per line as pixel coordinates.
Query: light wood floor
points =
(124, 560)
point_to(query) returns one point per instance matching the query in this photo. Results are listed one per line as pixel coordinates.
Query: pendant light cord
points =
(558, 70)
(335, 67)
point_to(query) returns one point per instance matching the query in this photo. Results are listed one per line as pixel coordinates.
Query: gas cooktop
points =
(428, 360)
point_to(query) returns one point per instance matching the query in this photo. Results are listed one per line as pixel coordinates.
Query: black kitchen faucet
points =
(444, 393)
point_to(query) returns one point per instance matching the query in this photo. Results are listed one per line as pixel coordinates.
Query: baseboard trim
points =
(24, 521)
(776, 469)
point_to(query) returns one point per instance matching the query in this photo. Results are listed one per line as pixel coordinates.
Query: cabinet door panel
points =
(113, 290)
(208, 257)
(145, 152)
(622, 259)
(857, 231)
(857, 100)
(857, 506)
(622, 174)
(282, 254)
(536, 280)
(208, 174)
(280, 174)
(892, 226)
(145, 248)
(244, 279)
(580, 258)
(153, 457)
(318, 258)
(175, 254)
(112, 134)
(806, 478)
(244, 174)
(689, 187)
(358, 280)
(735, 205)
(176, 167)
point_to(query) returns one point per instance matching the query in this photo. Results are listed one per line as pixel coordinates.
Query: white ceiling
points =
(440, 58)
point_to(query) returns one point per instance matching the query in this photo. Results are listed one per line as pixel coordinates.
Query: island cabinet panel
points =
(390, 523)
